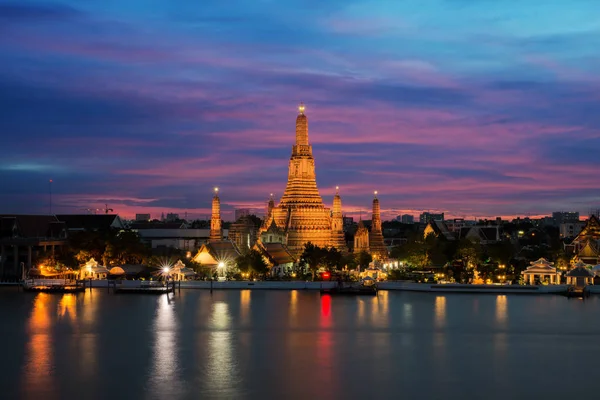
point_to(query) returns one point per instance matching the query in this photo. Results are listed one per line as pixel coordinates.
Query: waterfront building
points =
(92, 270)
(25, 237)
(217, 255)
(580, 275)
(540, 271)
(277, 256)
(180, 272)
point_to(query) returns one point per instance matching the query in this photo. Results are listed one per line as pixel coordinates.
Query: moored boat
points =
(352, 290)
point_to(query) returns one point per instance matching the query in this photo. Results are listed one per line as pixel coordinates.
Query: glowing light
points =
(166, 270)
(221, 265)
(216, 190)
(301, 108)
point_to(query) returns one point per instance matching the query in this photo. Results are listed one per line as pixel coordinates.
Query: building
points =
(241, 212)
(142, 217)
(425, 217)
(376, 244)
(91, 222)
(484, 234)
(219, 256)
(580, 275)
(348, 222)
(243, 233)
(338, 239)
(455, 225)
(301, 214)
(571, 229)
(277, 256)
(361, 238)
(585, 245)
(23, 238)
(407, 219)
(216, 232)
(172, 217)
(540, 271)
(563, 217)
(174, 237)
(438, 228)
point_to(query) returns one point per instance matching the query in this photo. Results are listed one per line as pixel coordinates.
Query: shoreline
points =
(386, 285)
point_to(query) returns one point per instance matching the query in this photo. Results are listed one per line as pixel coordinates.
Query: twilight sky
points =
(472, 107)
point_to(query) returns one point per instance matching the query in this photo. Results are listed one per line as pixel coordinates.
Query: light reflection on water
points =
(164, 376)
(440, 311)
(238, 344)
(38, 374)
(501, 310)
(221, 365)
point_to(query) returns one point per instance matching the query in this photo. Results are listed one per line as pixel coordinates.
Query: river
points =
(296, 345)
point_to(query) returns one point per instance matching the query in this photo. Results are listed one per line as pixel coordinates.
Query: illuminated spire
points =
(301, 127)
(215, 221)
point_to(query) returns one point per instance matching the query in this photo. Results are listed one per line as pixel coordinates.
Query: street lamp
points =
(221, 267)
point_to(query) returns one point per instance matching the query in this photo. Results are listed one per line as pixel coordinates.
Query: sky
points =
(475, 108)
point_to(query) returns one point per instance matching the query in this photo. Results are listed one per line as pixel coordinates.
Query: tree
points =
(364, 259)
(312, 257)
(252, 263)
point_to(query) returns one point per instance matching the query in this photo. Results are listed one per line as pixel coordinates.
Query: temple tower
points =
(337, 223)
(216, 233)
(361, 238)
(301, 213)
(376, 243)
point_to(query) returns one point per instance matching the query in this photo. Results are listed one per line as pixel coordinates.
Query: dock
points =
(53, 286)
(144, 288)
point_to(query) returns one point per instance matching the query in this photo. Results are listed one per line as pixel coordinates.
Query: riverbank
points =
(388, 285)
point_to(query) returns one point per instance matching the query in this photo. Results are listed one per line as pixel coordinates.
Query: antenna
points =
(50, 192)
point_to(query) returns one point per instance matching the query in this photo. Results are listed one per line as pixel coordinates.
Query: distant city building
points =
(172, 217)
(571, 229)
(563, 217)
(456, 224)
(426, 217)
(142, 217)
(241, 212)
(407, 219)
(348, 221)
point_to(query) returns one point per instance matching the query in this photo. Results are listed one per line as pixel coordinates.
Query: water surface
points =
(297, 345)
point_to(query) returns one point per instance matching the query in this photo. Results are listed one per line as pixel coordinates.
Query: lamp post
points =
(221, 268)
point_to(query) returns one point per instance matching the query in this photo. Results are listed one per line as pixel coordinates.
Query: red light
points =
(326, 275)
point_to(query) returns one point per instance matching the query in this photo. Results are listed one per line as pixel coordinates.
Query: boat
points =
(577, 292)
(361, 290)
(53, 286)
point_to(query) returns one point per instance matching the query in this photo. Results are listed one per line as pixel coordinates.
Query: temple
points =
(376, 243)
(300, 215)
(299, 218)
(216, 234)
